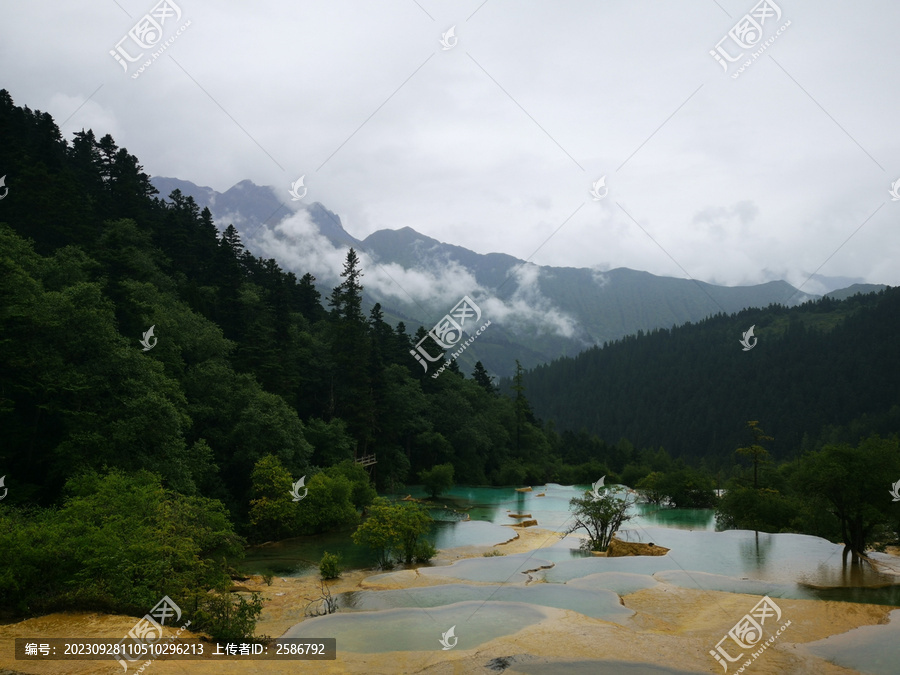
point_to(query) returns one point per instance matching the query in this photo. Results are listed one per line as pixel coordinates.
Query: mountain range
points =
(537, 313)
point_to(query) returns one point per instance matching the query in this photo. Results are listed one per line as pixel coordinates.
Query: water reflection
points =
(810, 565)
(752, 549)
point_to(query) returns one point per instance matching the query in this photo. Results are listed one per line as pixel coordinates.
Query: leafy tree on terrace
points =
(438, 479)
(599, 518)
(688, 488)
(393, 529)
(650, 486)
(853, 483)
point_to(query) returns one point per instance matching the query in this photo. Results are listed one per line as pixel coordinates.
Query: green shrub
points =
(267, 578)
(118, 544)
(330, 565)
(393, 529)
(229, 617)
(424, 551)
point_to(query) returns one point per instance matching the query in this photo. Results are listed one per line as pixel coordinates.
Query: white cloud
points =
(494, 144)
(297, 243)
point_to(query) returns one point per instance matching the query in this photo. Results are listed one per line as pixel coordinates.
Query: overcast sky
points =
(495, 142)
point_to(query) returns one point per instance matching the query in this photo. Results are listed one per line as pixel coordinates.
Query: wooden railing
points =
(366, 460)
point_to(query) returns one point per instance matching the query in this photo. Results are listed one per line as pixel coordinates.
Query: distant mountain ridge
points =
(693, 388)
(558, 310)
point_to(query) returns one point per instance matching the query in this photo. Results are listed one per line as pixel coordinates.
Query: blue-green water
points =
(484, 598)
(301, 555)
(488, 509)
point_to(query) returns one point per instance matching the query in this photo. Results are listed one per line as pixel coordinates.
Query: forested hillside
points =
(137, 465)
(691, 388)
(250, 360)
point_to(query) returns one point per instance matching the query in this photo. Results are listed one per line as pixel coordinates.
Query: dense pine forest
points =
(691, 389)
(132, 471)
(250, 360)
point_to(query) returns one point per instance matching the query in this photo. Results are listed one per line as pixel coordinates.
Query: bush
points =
(362, 491)
(118, 544)
(424, 551)
(330, 565)
(229, 617)
(327, 506)
(267, 578)
(393, 529)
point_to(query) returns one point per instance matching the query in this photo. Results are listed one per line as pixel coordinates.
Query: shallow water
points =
(622, 583)
(497, 596)
(488, 510)
(868, 649)
(494, 504)
(421, 629)
(739, 561)
(301, 555)
(596, 603)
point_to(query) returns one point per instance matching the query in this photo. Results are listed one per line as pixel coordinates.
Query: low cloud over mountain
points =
(537, 313)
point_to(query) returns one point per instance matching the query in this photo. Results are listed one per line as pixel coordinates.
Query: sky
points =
(491, 136)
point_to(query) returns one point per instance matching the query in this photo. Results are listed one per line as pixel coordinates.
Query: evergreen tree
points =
(483, 378)
(351, 385)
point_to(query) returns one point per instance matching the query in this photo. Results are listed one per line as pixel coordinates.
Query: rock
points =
(528, 489)
(520, 515)
(618, 548)
(540, 495)
(501, 663)
(526, 523)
